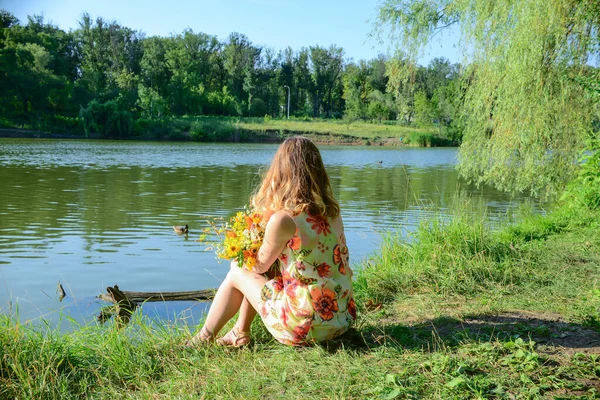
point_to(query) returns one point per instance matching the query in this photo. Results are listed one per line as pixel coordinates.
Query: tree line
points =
(110, 77)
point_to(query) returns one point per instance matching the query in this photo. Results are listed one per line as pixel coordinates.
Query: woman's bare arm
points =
(278, 232)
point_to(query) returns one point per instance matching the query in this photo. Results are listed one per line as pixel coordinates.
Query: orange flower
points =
(323, 270)
(294, 243)
(319, 224)
(250, 262)
(301, 331)
(324, 302)
(231, 234)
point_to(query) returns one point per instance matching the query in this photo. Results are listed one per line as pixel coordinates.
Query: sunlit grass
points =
(413, 338)
(220, 128)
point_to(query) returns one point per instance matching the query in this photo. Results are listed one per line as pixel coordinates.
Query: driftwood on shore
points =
(125, 302)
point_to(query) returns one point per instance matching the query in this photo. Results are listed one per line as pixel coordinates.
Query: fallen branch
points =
(125, 302)
(140, 297)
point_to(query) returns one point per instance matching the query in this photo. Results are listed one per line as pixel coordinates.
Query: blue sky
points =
(271, 23)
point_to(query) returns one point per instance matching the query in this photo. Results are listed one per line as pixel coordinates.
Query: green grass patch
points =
(210, 128)
(458, 310)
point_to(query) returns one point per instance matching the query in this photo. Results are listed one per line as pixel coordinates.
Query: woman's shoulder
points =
(282, 221)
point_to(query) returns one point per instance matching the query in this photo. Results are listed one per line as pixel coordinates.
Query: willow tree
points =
(526, 115)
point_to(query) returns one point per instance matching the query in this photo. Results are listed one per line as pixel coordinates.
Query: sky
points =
(271, 23)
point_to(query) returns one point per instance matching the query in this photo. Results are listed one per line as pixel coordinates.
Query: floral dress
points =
(312, 300)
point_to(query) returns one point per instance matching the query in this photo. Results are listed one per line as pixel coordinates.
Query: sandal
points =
(202, 337)
(234, 339)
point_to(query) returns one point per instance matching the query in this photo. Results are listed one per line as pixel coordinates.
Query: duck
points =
(180, 229)
(379, 162)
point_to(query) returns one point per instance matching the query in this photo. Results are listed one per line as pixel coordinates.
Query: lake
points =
(91, 214)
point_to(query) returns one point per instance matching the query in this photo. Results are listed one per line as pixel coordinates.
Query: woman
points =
(311, 299)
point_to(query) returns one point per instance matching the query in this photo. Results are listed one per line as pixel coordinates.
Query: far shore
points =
(240, 136)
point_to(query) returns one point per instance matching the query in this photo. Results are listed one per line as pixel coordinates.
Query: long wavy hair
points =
(296, 182)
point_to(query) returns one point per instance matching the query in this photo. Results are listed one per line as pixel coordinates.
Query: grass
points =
(337, 127)
(331, 131)
(458, 311)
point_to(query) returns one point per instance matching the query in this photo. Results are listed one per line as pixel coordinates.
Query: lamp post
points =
(288, 102)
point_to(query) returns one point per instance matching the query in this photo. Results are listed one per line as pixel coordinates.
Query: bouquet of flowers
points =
(243, 236)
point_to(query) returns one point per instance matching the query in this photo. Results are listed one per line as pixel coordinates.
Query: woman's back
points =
(312, 300)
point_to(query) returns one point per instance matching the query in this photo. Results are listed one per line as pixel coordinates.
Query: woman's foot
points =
(202, 337)
(234, 338)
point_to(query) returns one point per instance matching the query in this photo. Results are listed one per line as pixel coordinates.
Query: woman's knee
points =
(234, 271)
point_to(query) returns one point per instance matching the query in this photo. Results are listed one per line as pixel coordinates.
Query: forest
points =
(107, 78)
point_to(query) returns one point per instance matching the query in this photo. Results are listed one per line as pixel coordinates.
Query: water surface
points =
(92, 214)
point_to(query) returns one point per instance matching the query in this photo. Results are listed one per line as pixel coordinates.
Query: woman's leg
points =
(240, 333)
(240, 291)
(247, 314)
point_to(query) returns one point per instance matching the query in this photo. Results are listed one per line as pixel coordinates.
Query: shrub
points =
(107, 119)
(258, 108)
(585, 189)
(196, 131)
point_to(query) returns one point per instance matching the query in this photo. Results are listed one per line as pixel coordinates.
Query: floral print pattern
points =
(319, 224)
(324, 303)
(312, 300)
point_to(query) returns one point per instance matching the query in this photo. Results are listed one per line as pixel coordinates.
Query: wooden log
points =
(125, 302)
(115, 295)
(198, 295)
(122, 309)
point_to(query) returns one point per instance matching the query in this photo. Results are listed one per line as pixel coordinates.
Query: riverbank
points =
(457, 311)
(257, 130)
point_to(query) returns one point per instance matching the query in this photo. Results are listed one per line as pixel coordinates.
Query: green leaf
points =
(455, 382)
(393, 394)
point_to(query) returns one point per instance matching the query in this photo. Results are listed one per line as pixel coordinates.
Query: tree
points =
(35, 68)
(526, 116)
(356, 89)
(188, 61)
(326, 68)
(108, 51)
(303, 81)
(240, 58)
(381, 106)
(423, 110)
(401, 84)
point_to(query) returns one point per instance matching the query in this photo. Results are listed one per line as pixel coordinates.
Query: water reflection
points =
(94, 214)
